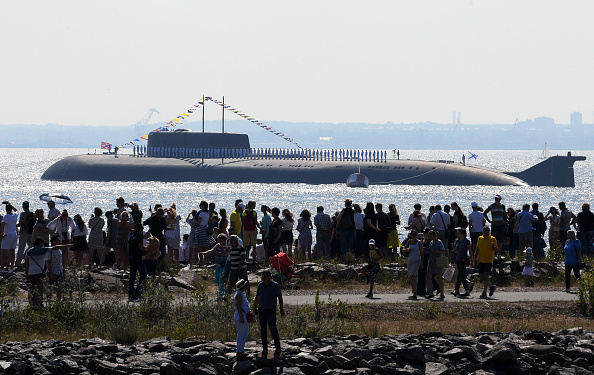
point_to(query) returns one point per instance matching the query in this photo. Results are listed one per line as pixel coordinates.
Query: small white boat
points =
(358, 180)
(545, 152)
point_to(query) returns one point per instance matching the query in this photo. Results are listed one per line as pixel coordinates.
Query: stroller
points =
(284, 269)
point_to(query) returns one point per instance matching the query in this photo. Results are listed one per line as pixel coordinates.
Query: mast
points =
(203, 102)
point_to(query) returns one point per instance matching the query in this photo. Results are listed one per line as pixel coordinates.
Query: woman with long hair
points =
(304, 227)
(223, 222)
(554, 218)
(370, 228)
(173, 234)
(79, 239)
(275, 232)
(393, 237)
(125, 228)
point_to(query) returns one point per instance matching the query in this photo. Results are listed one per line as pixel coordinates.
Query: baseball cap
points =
(498, 196)
(372, 242)
(474, 204)
(241, 205)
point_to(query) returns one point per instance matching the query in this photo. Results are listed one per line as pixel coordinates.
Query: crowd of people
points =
(436, 241)
(136, 242)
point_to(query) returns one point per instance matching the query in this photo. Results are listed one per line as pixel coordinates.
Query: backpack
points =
(383, 222)
(345, 221)
(249, 220)
(30, 222)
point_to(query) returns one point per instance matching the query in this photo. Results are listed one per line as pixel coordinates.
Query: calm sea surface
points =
(20, 179)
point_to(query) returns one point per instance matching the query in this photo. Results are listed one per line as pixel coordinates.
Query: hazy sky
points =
(108, 62)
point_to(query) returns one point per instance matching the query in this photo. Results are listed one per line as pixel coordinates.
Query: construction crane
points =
(146, 119)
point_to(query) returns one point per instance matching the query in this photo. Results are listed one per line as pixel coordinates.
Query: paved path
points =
(401, 298)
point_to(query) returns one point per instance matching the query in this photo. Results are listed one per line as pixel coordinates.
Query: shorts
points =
(286, 237)
(10, 241)
(498, 232)
(485, 267)
(249, 238)
(372, 269)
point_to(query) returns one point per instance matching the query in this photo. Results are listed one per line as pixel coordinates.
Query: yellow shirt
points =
(485, 250)
(235, 218)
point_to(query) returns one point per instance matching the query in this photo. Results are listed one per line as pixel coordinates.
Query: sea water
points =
(20, 179)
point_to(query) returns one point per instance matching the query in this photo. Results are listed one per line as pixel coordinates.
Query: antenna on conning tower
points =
(146, 119)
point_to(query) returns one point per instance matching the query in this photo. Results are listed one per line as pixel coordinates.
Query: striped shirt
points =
(497, 215)
(235, 254)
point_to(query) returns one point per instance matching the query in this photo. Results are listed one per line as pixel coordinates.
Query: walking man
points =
(266, 296)
(485, 252)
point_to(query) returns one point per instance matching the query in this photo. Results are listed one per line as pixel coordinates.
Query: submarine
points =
(187, 156)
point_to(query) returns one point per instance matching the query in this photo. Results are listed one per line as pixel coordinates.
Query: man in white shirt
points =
(440, 221)
(476, 222)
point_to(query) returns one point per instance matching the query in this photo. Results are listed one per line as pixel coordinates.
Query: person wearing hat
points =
(268, 292)
(528, 269)
(497, 221)
(476, 222)
(372, 268)
(242, 307)
(26, 225)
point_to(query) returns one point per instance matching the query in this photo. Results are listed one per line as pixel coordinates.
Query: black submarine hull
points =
(404, 172)
(186, 156)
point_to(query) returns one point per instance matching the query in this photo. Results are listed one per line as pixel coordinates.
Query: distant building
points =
(544, 121)
(575, 119)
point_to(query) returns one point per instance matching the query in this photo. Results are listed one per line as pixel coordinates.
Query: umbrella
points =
(57, 198)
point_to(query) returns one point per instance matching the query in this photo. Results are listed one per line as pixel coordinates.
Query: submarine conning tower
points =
(173, 143)
(554, 171)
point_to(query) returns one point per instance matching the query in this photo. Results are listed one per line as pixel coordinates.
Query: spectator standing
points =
(36, 261)
(251, 226)
(566, 220)
(393, 236)
(359, 218)
(554, 218)
(585, 221)
(237, 258)
(437, 249)
(539, 227)
(242, 307)
(497, 221)
(476, 222)
(287, 234)
(275, 233)
(80, 245)
(152, 254)
(26, 225)
(525, 220)
(323, 224)
(235, 217)
(9, 237)
(440, 222)
(265, 223)
(53, 211)
(63, 225)
(136, 251)
(96, 245)
(267, 294)
(304, 227)
(346, 228)
(528, 270)
(573, 258)
(463, 251)
(414, 261)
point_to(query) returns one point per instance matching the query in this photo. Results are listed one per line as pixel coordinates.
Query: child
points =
(184, 252)
(372, 269)
(528, 269)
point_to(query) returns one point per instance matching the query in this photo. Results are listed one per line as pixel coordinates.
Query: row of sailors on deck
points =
(267, 153)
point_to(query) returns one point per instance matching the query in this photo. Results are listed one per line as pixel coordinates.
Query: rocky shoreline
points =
(569, 351)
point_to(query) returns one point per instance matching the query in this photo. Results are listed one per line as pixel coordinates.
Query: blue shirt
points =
(570, 250)
(525, 219)
(266, 221)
